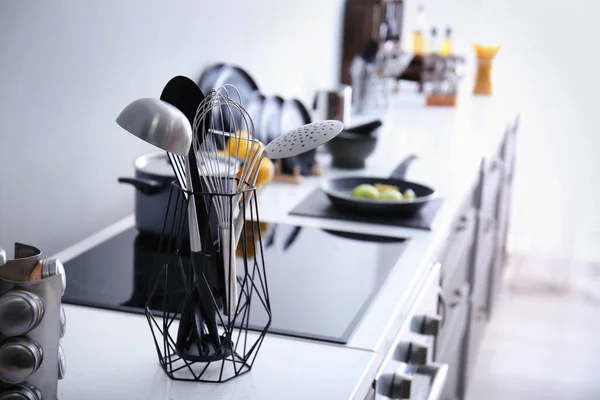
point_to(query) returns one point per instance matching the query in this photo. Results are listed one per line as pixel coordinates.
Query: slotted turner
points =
(303, 139)
(298, 141)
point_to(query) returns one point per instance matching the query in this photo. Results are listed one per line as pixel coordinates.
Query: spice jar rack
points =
(33, 321)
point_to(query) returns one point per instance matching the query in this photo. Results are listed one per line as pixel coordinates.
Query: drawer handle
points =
(464, 224)
(443, 307)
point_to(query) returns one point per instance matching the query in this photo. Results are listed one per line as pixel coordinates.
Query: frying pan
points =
(339, 192)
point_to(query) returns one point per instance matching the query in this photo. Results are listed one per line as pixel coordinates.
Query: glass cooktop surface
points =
(320, 282)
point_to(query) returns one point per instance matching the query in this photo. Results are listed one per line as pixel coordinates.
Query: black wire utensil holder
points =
(195, 338)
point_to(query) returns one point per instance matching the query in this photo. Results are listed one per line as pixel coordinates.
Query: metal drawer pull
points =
(443, 308)
(464, 224)
(402, 382)
(458, 295)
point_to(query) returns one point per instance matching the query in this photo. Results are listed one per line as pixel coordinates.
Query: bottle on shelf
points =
(419, 41)
(433, 43)
(447, 44)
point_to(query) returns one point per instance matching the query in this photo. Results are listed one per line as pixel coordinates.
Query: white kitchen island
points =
(112, 354)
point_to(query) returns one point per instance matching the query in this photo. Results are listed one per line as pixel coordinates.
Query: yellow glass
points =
(485, 59)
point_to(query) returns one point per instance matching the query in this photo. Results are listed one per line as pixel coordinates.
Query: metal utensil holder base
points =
(179, 284)
(14, 275)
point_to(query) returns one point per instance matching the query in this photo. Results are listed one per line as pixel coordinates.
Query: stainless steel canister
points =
(334, 104)
(21, 392)
(53, 267)
(20, 358)
(20, 312)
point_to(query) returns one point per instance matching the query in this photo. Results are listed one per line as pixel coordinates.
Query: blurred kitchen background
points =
(67, 67)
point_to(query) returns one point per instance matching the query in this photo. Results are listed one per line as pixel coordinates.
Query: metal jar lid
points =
(20, 312)
(62, 363)
(54, 267)
(63, 321)
(20, 358)
(21, 392)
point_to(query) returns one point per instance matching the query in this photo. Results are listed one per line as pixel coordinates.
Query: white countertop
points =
(112, 355)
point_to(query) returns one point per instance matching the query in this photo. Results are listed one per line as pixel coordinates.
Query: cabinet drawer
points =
(453, 351)
(509, 155)
(476, 329)
(454, 313)
(484, 254)
(456, 257)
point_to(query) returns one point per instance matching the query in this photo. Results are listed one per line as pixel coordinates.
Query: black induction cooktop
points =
(320, 281)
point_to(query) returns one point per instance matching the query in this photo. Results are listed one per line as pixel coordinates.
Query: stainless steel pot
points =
(153, 179)
(153, 182)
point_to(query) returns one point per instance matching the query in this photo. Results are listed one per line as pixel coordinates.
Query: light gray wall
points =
(67, 67)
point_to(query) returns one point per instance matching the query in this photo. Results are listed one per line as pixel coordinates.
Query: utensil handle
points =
(400, 171)
(228, 246)
(207, 304)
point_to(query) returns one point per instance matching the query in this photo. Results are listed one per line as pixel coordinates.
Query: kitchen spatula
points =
(184, 94)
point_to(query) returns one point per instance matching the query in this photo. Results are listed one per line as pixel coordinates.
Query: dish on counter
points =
(382, 192)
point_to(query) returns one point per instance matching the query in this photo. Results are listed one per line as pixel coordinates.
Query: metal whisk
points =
(226, 170)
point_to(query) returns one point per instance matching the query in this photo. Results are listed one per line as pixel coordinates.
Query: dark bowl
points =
(351, 150)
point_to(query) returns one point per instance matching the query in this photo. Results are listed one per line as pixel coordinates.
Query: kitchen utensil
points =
(171, 133)
(339, 190)
(370, 49)
(303, 139)
(333, 104)
(350, 150)
(294, 114)
(158, 123)
(20, 358)
(235, 76)
(62, 364)
(20, 312)
(2, 256)
(295, 142)
(184, 94)
(228, 191)
(63, 322)
(21, 392)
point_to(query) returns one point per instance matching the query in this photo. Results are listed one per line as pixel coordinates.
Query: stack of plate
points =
(271, 115)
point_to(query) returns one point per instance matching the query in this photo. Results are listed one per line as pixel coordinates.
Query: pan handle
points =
(400, 171)
(146, 186)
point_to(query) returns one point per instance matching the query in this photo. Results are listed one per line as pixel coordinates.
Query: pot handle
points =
(146, 186)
